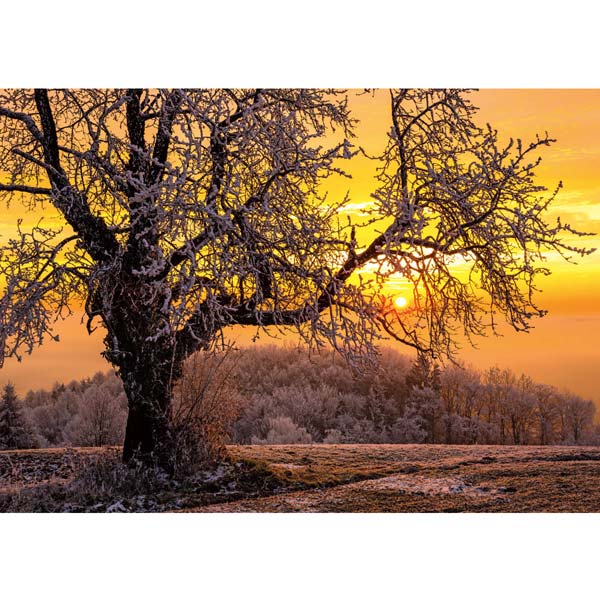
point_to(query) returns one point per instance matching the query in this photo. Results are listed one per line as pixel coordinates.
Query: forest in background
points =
(273, 395)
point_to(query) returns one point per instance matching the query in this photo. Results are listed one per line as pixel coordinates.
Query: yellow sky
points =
(562, 350)
(572, 117)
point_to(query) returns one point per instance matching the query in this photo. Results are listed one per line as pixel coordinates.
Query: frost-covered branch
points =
(42, 280)
(466, 220)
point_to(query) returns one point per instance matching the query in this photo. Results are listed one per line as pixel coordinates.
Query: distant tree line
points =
(293, 398)
(90, 412)
(271, 395)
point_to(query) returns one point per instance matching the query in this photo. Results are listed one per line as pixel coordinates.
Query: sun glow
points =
(401, 302)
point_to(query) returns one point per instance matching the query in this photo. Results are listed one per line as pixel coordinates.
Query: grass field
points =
(429, 478)
(315, 478)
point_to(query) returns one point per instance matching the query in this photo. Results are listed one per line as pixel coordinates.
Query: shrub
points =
(282, 430)
(206, 403)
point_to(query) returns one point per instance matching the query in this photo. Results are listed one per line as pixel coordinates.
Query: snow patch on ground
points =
(288, 466)
(419, 484)
(216, 475)
(315, 500)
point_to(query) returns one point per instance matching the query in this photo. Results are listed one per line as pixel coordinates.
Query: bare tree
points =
(577, 416)
(100, 420)
(547, 412)
(187, 211)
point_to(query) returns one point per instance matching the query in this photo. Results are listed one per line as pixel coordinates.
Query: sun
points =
(400, 302)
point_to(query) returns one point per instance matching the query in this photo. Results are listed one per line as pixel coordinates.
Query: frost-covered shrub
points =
(101, 418)
(409, 429)
(365, 431)
(206, 403)
(282, 430)
(51, 419)
(333, 436)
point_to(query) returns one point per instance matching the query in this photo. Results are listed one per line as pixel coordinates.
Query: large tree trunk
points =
(149, 361)
(146, 436)
(144, 360)
(148, 433)
(148, 378)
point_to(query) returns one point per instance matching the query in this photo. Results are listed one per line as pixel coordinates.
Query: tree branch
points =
(98, 240)
(163, 136)
(28, 189)
(24, 118)
(136, 129)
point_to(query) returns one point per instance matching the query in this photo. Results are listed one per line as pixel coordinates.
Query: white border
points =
(314, 43)
(264, 557)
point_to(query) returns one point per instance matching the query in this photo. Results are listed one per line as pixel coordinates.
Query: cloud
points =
(360, 208)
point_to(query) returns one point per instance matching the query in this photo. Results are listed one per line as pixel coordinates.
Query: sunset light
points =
(401, 302)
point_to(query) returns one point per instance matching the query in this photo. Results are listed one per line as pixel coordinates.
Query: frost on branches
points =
(187, 211)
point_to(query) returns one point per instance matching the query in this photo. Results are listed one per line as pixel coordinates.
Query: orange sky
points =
(563, 348)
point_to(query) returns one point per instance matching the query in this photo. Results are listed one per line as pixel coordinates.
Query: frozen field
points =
(421, 478)
(316, 478)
